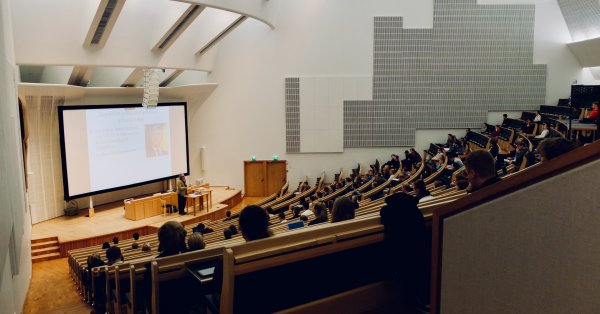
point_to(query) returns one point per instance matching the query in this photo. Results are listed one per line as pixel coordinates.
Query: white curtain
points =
(45, 191)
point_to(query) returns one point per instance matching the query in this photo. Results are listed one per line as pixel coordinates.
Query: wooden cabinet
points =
(264, 177)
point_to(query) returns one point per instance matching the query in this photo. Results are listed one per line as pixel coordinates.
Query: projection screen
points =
(110, 147)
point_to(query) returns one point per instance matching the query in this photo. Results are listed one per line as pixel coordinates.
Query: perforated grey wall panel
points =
(475, 59)
(292, 114)
(582, 17)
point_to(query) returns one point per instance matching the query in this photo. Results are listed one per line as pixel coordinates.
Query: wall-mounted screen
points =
(111, 147)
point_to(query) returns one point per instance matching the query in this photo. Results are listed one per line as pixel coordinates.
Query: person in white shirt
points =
(544, 133)
(538, 117)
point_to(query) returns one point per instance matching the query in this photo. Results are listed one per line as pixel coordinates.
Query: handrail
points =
(527, 177)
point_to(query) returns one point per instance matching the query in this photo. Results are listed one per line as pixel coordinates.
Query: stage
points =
(109, 221)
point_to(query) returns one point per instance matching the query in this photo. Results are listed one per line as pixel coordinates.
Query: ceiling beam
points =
(133, 78)
(169, 79)
(103, 23)
(80, 76)
(222, 34)
(182, 23)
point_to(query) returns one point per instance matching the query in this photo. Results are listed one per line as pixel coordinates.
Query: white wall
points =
(13, 286)
(245, 115)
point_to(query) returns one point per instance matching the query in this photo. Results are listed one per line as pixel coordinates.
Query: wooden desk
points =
(136, 209)
(194, 197)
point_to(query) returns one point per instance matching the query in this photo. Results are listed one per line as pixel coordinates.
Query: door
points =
(254, 178)
(276, 176)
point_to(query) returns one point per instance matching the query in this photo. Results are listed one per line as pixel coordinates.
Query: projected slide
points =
(108, 147)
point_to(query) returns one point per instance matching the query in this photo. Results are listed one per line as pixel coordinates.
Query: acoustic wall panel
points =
(321, 110)
(476, 58)
(582, 17)
(292, 114)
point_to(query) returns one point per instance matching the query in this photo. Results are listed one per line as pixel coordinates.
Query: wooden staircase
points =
(45, 249)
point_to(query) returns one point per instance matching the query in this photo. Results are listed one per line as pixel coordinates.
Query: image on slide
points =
(157, 140)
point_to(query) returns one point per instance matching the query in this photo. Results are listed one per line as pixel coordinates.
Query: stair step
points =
(41, 245)
(35, 241)
(51, 249)
(45, 257)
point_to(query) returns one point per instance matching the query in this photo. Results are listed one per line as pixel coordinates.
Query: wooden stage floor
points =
(110, 218)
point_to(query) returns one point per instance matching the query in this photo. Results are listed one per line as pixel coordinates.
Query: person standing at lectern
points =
(181, 194)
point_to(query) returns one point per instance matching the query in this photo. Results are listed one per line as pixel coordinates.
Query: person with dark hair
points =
(171, 239)
(296, 212)
(115, 240)
(343, 209)
(136, 236)
(105, 245)
(494, 147)
(227, 215)
(114, 255)
(480, 167)
(202, 228)
(520, 153)
(304, 218)
(415, 158)
(254, 223)
(146, 247)
(537, 117)
(99, 303)
(376, 195)
(462, 184)
(282, 217)
(320, 214)
(94, 260)
(553, 147)
(408, 247)
(420, 189)
(544, 134)
(233, 229)
(195, 242)
(181, 193)
(227, 234)
(504, 120)
(528, 127)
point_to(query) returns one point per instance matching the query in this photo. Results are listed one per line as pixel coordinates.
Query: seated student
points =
(553, 147)
(105, 245)
(528, 127)
(594, 113)
(420, 189)
(296, 212)
(415, 158)
(343, 209)
(202, 228)
(114, 256)
(394, 162)
(254, 223)
(496, 131)
(195, 242)
(545, 133)
(480, 167)
(450, 141)
(171, 239)
(227, 234)
(115, 240)
(377, 195)
(385, 172)
(407, 246)
(227, 215)
(520, 153)
(320, 214)
(233, 230)
(439, 155)
(504, 120)
(99, 297)
(282, 219)
(407, 162)
(538, 117)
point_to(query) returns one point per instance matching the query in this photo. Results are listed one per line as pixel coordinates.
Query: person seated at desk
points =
(545, 133)
(538, 117)
(528, 127)
(594, 113)
(520, 153)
